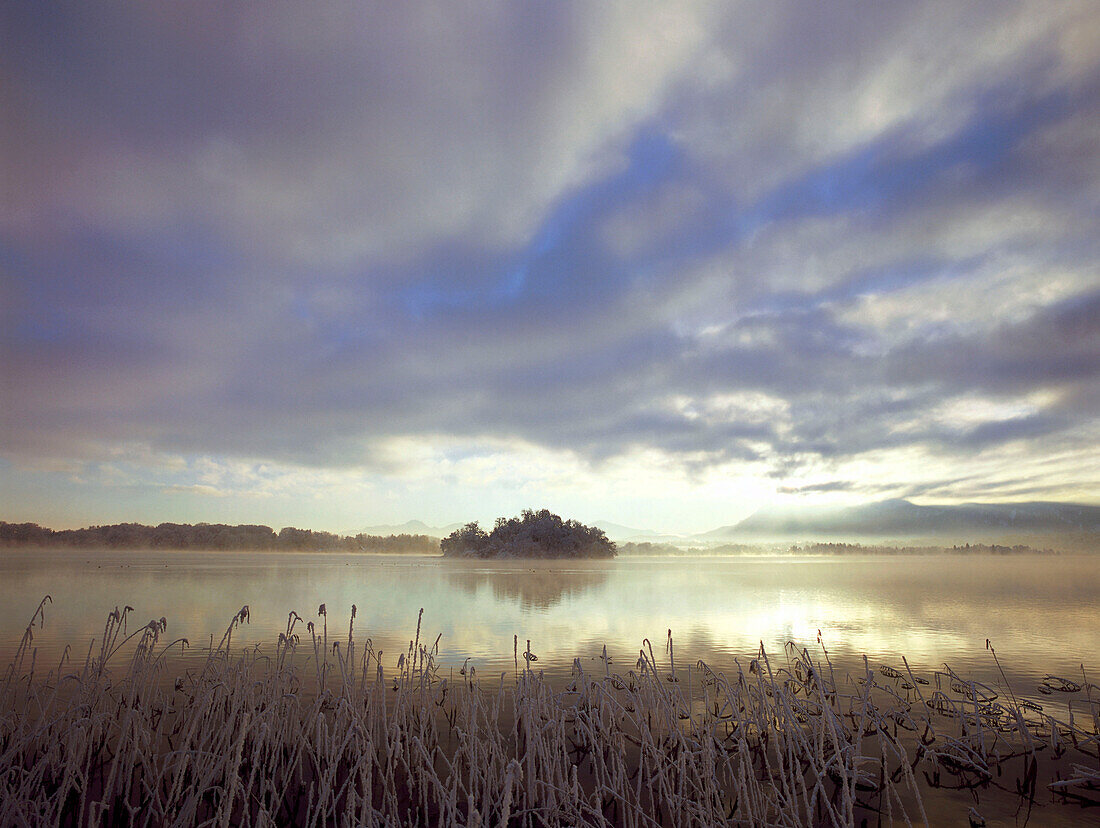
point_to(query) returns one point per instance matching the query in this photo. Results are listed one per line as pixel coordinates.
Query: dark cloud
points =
(1058, 346)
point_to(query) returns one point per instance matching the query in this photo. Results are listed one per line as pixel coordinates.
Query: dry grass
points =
(320, 733)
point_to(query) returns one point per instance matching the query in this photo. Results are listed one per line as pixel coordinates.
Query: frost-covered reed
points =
(319, 732)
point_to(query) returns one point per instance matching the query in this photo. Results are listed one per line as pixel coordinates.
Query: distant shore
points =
(217, 537)
(830, 548)
(209, 536)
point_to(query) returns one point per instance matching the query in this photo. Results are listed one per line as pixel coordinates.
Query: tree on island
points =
(534, 534)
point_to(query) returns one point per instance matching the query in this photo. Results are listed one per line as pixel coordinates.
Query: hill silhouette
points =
(1073, 523)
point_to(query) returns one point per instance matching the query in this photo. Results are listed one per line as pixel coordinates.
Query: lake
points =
(1040, 611)
(934, 611)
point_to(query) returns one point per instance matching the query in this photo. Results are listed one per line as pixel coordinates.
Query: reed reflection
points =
(1039, 611)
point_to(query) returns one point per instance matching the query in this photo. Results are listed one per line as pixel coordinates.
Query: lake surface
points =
(1040, 611)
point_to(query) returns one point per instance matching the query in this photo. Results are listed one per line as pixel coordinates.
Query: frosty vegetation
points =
(318, 731)
(534, 534)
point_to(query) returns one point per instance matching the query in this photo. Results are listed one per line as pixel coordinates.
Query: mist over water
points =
(1038, 610)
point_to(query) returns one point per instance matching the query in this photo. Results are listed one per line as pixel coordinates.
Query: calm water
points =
(1041, 612)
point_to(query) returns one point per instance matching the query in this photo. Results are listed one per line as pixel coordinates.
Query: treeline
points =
(667, 549)
(539, 534)
(213, 536)
(965, 549)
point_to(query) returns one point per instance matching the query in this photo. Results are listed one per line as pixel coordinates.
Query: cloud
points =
(767, 240)
(204, 491)
(332, 138)
(829, 486)
(803, 86)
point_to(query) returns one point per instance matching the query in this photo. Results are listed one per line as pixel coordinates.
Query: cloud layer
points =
(835, 248)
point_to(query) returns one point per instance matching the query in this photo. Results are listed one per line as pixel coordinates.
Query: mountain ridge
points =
(410, 527)
(900, 518)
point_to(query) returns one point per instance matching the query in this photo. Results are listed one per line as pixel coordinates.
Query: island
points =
(533, 534)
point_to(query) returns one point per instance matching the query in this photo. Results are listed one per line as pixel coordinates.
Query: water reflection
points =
(531, 588)
(1040, 611)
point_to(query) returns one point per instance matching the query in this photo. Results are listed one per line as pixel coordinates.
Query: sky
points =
(662, 264)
